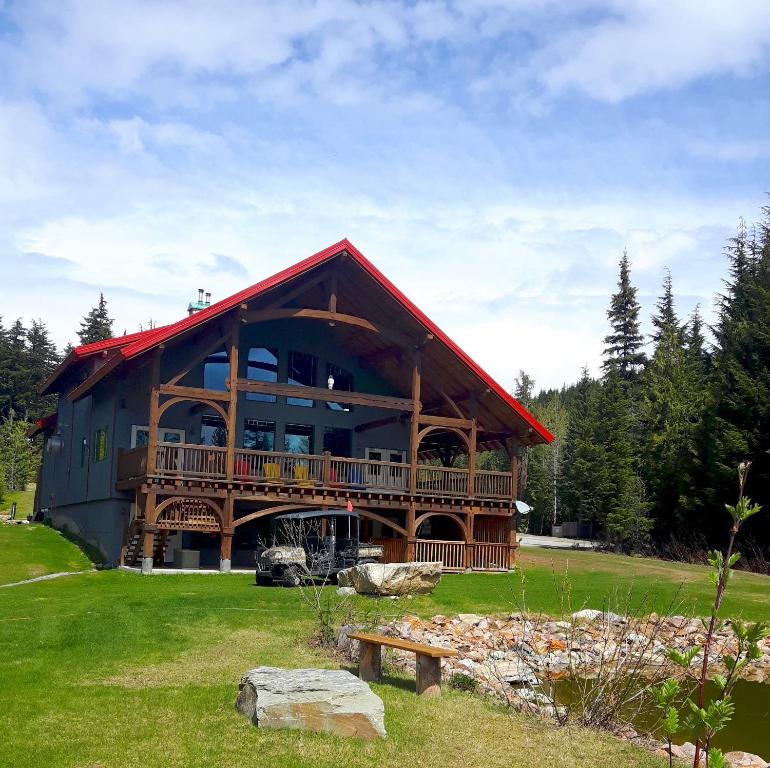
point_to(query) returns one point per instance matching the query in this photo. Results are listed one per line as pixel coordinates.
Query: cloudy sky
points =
(492, 158)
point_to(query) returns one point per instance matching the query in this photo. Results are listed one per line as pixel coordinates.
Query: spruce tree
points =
(17, 390)
(624, 345)
(97, 324)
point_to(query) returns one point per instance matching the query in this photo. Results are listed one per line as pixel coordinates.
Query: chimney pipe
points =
(200, 295)
(208, 299)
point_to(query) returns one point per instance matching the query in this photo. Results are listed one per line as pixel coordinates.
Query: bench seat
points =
(428, 660)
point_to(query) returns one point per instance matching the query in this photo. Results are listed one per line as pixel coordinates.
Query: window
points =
(140, 436)
(216, 371)
(298, 438)
(262, 366)
(259, 435)
(343, 381)
(337, 441)
(99, 446)
(302, 372)
(213, 431)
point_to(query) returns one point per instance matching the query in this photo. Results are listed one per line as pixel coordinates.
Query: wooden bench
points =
(428, 660)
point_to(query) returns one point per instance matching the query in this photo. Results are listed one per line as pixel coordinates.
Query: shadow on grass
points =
(396, 681)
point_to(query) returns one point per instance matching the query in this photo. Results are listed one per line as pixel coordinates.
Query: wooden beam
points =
(472, 461)
(333, 292)
(305, 313)
(326, 395)
(194, 392)
(446, 421)
(209, 350)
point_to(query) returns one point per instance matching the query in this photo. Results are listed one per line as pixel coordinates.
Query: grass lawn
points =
(24, 502)
(115, 669)
(27, 551)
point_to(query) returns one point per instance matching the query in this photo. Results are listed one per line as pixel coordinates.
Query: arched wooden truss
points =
(423, 433)
(209, 403)
(182, 513)
(463, 527)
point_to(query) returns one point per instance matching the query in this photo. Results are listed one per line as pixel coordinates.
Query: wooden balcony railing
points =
(489, 557)
(450, 553)
(205, 461)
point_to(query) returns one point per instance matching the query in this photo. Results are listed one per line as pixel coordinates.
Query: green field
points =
(115, 669)
(24, 502)
(27, 551)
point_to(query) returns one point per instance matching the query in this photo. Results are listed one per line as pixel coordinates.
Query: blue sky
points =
(492, 158)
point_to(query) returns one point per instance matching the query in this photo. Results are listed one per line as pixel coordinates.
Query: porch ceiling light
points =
(330, 381)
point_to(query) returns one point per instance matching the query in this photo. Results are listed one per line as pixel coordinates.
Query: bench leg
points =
(428, 676)
(369, 662)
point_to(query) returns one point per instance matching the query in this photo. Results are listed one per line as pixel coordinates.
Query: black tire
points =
(263, 580)
(291, 578)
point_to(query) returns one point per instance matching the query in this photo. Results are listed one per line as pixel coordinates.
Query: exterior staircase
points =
(132, 552)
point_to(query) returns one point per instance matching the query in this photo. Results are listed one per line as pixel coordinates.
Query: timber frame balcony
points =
(336, 476)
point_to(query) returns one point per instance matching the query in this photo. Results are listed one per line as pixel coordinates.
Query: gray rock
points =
(391, 579)
(322, 700)
(346, 591)
(591, 614)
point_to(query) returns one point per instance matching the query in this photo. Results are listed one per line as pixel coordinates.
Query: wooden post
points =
(225, 550)
(411, 533)
(414, 422)
(327, 468)
(512, 543)
(470, 539)
(232, 409)
(152, 437)
(149, 530)
(369, 661)
(428, 675)
(472, 461)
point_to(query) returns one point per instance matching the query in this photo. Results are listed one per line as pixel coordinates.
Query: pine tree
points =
(17, 390)
(17, 456)
(624, 344)
(97, 324)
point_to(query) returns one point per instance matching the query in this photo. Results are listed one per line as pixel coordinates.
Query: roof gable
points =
(133, 346)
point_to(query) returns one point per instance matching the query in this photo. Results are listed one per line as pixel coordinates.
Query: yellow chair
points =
(272, 472)
(301, 475)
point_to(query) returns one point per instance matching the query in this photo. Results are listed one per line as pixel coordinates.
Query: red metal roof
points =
(132, 346)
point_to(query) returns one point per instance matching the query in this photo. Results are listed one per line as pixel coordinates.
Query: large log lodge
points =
(320, 387)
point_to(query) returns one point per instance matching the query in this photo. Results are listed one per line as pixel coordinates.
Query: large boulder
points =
(389, 579)
(324, 700)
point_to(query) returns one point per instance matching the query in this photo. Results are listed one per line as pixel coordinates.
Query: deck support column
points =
(148, 547)
(232, 408)
(470, 540)
(225, 551)
(154, 419)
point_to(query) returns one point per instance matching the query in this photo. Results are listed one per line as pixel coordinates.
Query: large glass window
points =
(262, 366)
(302, 372)
(259, 435)
(342, 381)
(337, 441)
(298, 438)
(213, 431)
(216, 371)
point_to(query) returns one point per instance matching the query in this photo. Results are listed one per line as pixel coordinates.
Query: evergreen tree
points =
(17, 456)
(97, 324)
(740, 377)
(523, 391)
(624, 344)
(623, 508)
(584, 480)
(17, 390)
(665, 319)
(42, 358)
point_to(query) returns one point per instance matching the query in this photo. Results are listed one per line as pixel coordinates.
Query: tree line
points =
(646, 453)
(28, 357)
